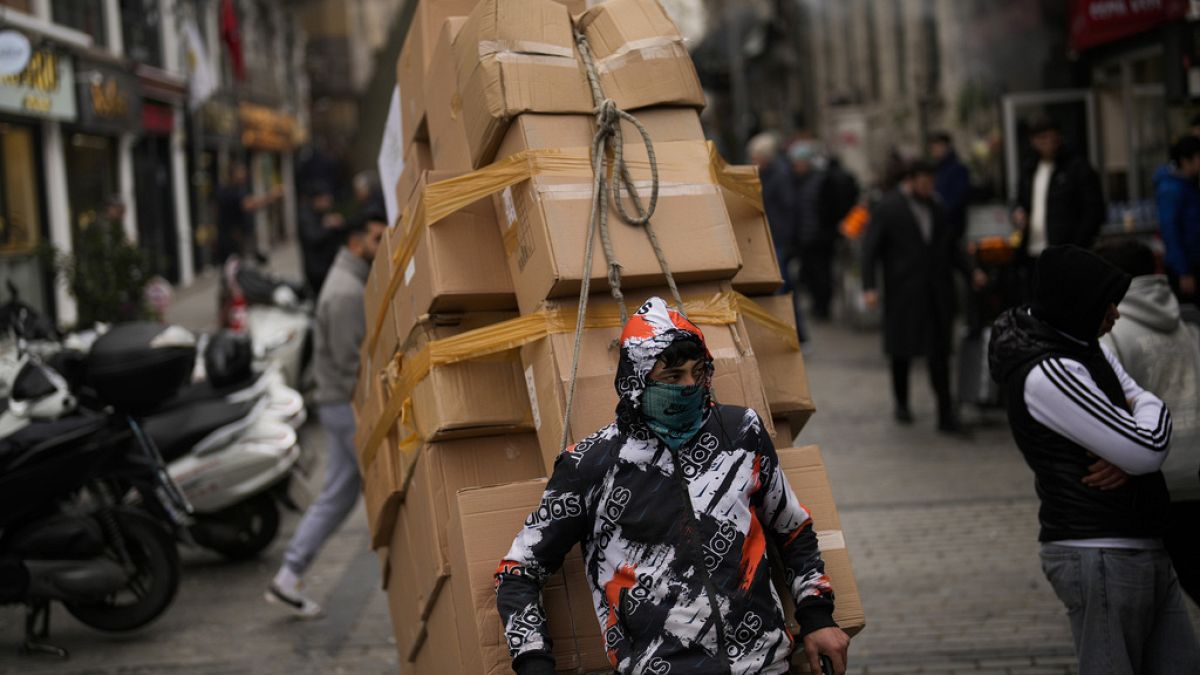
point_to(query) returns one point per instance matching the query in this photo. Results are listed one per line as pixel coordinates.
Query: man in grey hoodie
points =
(338, 333)
(1162, 353)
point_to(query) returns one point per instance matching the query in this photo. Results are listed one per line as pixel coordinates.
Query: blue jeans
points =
(1126, 610)
(339, 493)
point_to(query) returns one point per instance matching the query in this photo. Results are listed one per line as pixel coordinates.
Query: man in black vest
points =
(1095, 441)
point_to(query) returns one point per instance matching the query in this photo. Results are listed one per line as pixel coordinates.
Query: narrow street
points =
(942, 534)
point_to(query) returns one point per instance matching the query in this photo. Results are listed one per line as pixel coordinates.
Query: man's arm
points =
(252, 202)
(1061, 394)
(344, 324)
(1171, 230)
(873, 242)
(1093, 212)
(536, 554)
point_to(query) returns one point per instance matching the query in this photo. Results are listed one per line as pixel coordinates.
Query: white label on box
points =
(510, 209)
(829, 540)
(533, 400)
(391, 157)
(410, 271)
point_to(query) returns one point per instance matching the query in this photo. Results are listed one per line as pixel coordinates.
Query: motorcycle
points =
(88, 512)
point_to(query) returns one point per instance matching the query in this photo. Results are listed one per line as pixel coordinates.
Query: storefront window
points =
(141, 26)
(21, 215)
(20, 221)
(82, 15)
(91, 177)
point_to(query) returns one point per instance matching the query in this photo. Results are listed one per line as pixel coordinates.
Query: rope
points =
(609, 138)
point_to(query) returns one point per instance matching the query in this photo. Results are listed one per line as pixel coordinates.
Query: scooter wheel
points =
(150, 589)
(242, 531)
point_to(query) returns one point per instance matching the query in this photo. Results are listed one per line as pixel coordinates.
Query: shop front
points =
(154, 172)
(109, 105)
(36, 86)
(270, 135)
(215, 142)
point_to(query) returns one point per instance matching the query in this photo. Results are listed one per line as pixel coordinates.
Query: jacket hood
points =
(1151, 303)
(647, 334)
(1019, 337)
(1073, 288)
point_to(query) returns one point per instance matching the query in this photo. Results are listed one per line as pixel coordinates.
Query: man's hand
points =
(831, 642)
(1020, 219)
(871, 299)
(1105, 476)
(1187, 285)
(333, 221)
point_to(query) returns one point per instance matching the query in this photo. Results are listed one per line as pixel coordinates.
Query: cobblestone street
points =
(942, 534)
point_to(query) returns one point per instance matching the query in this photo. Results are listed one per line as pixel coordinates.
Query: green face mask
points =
(674, 412)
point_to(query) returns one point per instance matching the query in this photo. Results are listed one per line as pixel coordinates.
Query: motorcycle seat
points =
(44, 437)
(200, 392)
(177, 430)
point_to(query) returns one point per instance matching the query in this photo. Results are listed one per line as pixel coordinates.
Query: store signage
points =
(44, 87)
(1097, 22)
(15, 51)
(219, 120)
(109, 99)
(265, 128)
(157, 118)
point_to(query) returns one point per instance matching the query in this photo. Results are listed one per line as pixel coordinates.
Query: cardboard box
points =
(416, 56)
(806, 473)
(447, 127)
(545, 222)
(458, 265)
(384, 484)
(418, 158)
(441, 652)
(440, 471)
(480, 397)
(760, 266)
(547, 365)
(538, 131)
(783, 432)
(519, 56)
(485, 523)
(783, 374)
(640, 55)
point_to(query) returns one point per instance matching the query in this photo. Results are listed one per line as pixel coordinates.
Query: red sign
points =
(157, 119)
(1096, 22)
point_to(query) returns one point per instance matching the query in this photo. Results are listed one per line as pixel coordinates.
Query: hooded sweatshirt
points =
(1069, 401)
(1150, 327)
(1178, 201)
(674, 542)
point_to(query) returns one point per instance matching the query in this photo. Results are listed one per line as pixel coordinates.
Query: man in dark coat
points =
(952, 181)
(320, 235)
(236, 206)
(911, 236)
(1059, 200)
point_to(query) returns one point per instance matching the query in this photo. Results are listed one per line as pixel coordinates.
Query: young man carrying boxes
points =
(673, 504)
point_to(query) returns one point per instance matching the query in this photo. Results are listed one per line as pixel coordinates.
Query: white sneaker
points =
(285, 590)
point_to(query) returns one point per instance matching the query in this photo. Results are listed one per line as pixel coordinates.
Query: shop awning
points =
(1097, 22)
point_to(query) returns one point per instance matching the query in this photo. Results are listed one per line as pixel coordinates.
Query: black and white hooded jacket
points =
(674, 543)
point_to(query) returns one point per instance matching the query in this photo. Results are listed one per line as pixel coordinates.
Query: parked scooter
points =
(277, 314)
(69, 531)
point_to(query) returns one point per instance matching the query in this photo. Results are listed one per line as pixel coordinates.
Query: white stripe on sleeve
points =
(1061, 394)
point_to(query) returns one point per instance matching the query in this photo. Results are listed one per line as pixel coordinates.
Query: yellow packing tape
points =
(443, 198)
(406, 371)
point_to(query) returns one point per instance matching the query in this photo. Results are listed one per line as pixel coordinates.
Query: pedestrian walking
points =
(952, 181)
(1150, 329)
(811, 210)
(1059, 199)
(1178, 197)
(1095, 440)
(763, 151)
(339, 329)
(911, 238)
(673, 505)
(320, 234)
(236, 206)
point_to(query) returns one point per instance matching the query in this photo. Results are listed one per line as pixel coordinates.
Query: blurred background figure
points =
(910, 236)
(763, 151)
(1059, 200)
(1178, 199)
(320, 234)
(236, 206)
(952, 181)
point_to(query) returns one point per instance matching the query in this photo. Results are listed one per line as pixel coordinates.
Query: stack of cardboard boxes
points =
(471, 305)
